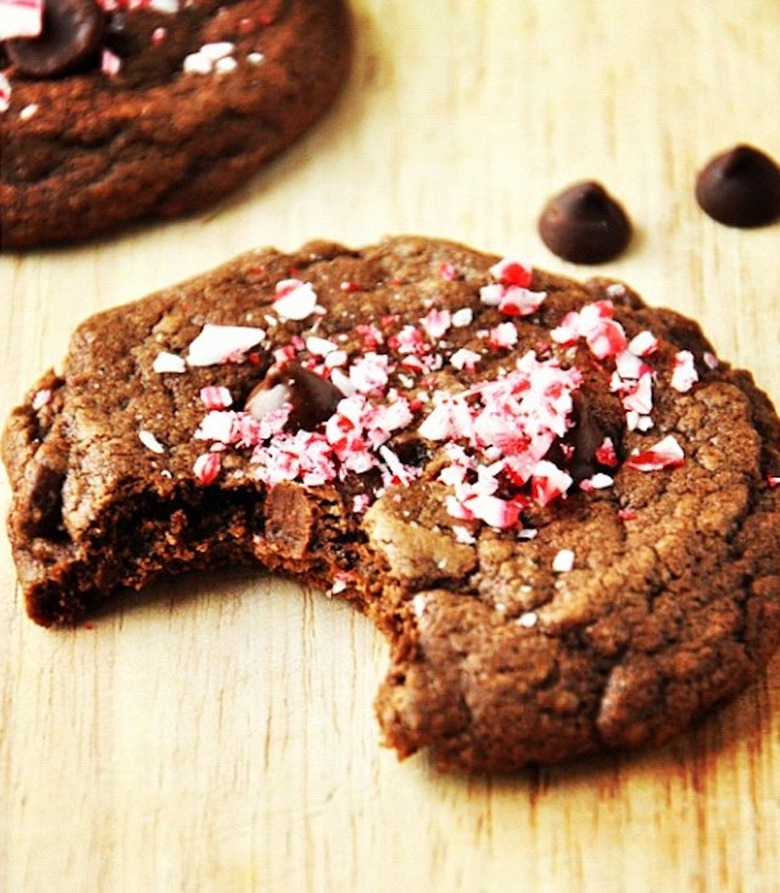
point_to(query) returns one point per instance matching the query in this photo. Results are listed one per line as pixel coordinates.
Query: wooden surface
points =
(219, 735)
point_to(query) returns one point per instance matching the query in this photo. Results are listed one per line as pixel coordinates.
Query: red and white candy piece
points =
(20, 18)
(222, 344)
(667, 453)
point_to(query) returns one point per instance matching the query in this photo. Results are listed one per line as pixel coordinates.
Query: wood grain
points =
(218, 733)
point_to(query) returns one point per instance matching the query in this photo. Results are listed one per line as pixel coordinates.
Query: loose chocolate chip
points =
(740, 188)
(584, 224)
(71, 40)
(313, 398)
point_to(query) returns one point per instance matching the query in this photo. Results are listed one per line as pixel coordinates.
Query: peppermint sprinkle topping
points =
(563, 561)
(216, 397)
(20, 18)
(169, 362)
(211, 57)
(5, 93)
(294, 299)
(150, 441)
(223, 344)
(207, 467)
(491, 439)
(684, 374)
(41, 398)
(667, 453)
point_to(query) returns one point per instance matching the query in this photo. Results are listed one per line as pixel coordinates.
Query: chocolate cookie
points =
(561, 508)
(132, 110)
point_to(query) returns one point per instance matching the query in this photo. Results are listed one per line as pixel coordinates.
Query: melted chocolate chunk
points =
(313, 398)
(584, 224)
(71, 40)
(740, 188)
(578, 452)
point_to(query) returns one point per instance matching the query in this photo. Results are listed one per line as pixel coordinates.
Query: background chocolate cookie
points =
(560, 506)
(123, 112)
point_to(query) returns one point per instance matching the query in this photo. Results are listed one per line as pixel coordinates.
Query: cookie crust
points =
(530, 627)
(85, 154)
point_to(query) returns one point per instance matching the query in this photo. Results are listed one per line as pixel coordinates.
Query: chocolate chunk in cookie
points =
(558, 504)
(70, 40)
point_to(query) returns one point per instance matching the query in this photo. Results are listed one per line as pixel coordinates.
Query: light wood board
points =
(218, 735)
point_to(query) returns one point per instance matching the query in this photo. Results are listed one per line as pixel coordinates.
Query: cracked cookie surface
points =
(557, 503)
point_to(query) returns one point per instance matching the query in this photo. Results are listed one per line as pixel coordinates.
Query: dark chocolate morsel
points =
(579, 449)
(70, 41)
(313, 398)
(740, 188)
(584, 224)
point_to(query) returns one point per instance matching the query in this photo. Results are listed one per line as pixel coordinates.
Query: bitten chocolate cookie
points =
(557, 503)
(128, 110)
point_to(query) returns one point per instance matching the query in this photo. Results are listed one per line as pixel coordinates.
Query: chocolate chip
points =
(586, 436)
(740, 188)
(578, 450)
(71, 40)
(313, 398)
(584, 224)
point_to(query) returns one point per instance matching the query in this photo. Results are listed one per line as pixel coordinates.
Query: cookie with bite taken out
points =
(558, 504)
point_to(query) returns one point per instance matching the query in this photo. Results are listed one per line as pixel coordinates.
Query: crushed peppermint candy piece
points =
(549, 482)
(710, 360)
(643, 344)
(667, 453)
(41, 398)
(110, 63)
(436, 323)
(5, 93)
(216, 397)
(171, 7)
(207, 467)
(605, 454)
(169, 362)
(598, 481)
(503, 335)
(684, 374)
(465, 358)
(563, 561)
(295, 300)
(462, 317)
(463, 535)
(604, 336)
(223, 344)
(773, 480)
(528, 620)
(20, 18)
(512, 271)
(320, 347)
(150, 441)
(511, 300)
(211, 57)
